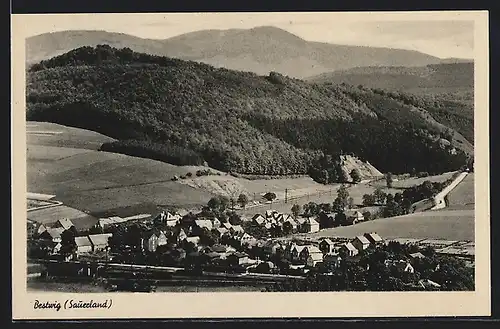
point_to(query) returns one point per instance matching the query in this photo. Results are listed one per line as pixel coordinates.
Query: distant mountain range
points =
(259, 50)
(434, 78)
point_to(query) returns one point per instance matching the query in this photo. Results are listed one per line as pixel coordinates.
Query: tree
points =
(355, 175)
(388, 179)
(350, 202)
(243, 200)
(311, 209)
(326, 207)
(379, 195)
(218, 204)
(296, 210)
(234, 218)
(343, 195)
(367, 215)
(68, 245)
(368, 200)
(340, 219)
(270, 196)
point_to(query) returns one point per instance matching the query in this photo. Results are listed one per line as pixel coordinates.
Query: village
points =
(270, 243)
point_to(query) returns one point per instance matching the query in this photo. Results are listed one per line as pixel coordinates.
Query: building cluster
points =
(51, 235)
(286, 222)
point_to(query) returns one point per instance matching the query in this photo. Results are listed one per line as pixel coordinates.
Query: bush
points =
(189, 174)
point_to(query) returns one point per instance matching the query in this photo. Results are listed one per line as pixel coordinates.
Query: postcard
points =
(235, 165)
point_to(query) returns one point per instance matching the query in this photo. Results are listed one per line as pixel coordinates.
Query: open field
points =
(51, 134)
(445, 224)
(412, 181)
(462, 196)
(68, 166)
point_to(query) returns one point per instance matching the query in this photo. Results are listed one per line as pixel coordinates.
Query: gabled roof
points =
(238, 228)
(299, 248)
(54, 232)
(221, 230)
(83, 241)
(417, 255)
(312, 249)
(350, 246)
(100, 239)
(227, 225)
(193, 239)
(328, 241)
(301, 220)
(204, 223)
(65, 223)
(354, 213)
(362, 239)
(374, 237)
(312, 221)
(316, 256)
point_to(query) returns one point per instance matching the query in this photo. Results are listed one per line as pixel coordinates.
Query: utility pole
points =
(286, 195)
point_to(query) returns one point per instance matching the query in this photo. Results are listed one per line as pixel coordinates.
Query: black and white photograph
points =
(251, 153)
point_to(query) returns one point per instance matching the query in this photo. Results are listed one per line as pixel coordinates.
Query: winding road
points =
(439, 202)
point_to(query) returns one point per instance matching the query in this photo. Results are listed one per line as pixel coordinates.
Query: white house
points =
(361, 243)
(349, 249)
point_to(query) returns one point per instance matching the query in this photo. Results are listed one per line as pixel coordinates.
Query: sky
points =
(436, 34)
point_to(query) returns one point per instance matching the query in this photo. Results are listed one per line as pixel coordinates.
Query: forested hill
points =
(235, 121)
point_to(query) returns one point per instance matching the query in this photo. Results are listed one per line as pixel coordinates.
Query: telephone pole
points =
(286, 195)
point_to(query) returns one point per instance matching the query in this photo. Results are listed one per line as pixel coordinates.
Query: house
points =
(404, 267)
(172, 219)
(416, 255)
(428, 284)
(259, 219)
(311, 225)
(53, 234)
(181, 236)
(333, 260)
(373, 238)
(354, 216)
(308, 251)
(314, 259)
(400, 265)
(83, 245)
(245, 237)
(349, 249)
(221, 231)
(64, 223)
(227, 226)
(237, 229)
(162, 238)
(237, 258)
(273, 247)
(361, 243)
(204, 224)
(216, 222)
(295, 252)
(193, 239)
(149, 241)
(42, 228)
(326, 246)
(99, 241)
(270, 213)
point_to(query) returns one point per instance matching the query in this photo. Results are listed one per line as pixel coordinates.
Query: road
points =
(439, 202)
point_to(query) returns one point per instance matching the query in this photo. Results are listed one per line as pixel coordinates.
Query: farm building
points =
(99, 241)
(349, 249)
(361, 242)
(83, 244)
